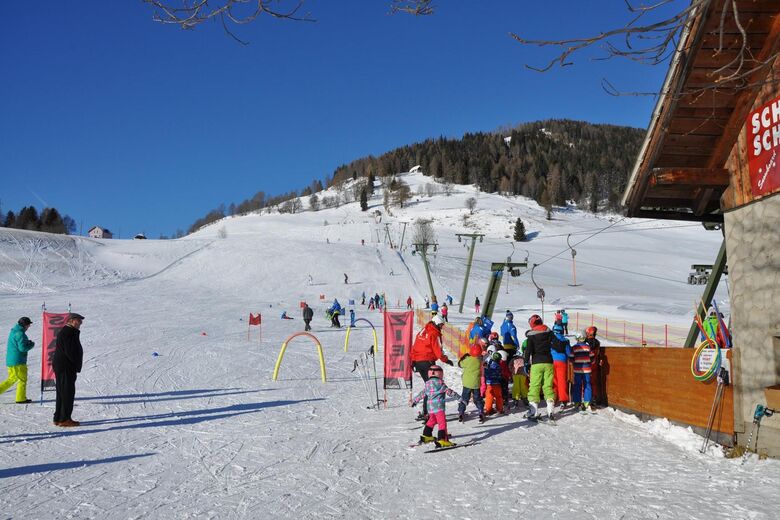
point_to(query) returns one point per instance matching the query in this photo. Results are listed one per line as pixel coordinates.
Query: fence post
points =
(666, 335)
(578, 322)
(606, 328)
(643, 334)
(624, 331)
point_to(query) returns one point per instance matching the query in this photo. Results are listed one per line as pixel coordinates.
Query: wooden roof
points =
(680, 172)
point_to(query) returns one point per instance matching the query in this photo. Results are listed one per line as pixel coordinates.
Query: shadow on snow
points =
(55, 466)
(158, 420)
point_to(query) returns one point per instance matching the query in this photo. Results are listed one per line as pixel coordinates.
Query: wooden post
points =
(666, 335)
(624, 331)
(606, 328)
(643, 334)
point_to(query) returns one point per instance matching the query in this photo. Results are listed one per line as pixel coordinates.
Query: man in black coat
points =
(66, 363)
(308, 314)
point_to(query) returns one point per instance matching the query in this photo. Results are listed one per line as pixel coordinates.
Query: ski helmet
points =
(491, 349)
(435, 371)
(504, 355)
(535, 320)
(437, 320)
(558, 328)
(581, 336)
(591, 331)
(493, 336)
(475, 350)
(509, 315)
(495, 356)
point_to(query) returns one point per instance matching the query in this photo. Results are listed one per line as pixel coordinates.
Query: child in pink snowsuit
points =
(435, 390)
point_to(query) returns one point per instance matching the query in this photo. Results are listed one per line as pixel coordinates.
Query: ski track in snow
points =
(201, 430)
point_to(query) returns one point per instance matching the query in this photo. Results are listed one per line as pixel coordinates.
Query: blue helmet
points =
(509, 315)
(558, 328)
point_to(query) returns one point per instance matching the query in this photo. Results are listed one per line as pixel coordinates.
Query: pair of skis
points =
(445, 448)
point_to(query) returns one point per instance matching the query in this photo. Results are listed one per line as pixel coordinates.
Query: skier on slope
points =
(561, 351)
(476, 304)
(582, 357)
(434, 394)
(335, 310)
(509, 334)
(537, 354)
(471, 363)
(565, 321)
(596, 367)
(409, 303)
(426, 350)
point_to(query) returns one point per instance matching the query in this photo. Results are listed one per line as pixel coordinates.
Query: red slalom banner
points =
(399, 332)
(52, 324)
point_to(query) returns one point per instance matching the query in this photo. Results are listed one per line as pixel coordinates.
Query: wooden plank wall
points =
(657, 382)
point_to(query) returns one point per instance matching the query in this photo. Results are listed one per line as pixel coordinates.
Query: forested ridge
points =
(549, 161)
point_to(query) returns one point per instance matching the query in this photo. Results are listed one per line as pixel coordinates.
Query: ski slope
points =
(201, 431)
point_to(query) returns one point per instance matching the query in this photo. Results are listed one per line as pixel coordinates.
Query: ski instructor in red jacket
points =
(426, 350)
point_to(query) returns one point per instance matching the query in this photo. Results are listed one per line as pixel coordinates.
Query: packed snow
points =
(200, 430)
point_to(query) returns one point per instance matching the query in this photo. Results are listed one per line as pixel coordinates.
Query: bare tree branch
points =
(414, 7)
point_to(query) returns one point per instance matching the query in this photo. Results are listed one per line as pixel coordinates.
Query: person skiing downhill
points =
(537, 354)
(346, 278)
(434, 394)
(426, 350)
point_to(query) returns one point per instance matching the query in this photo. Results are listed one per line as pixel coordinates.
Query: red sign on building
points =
(763, 143)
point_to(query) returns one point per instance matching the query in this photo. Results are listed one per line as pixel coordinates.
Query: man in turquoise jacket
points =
(16, 360)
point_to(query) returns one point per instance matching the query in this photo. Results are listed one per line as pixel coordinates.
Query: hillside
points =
(180, 416)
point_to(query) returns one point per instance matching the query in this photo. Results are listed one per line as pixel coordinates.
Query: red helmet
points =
(535, 320)
(493, 335)
(591, 332)
(475, 350)
(435, 371)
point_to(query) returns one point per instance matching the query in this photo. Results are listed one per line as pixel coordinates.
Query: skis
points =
(463, 445)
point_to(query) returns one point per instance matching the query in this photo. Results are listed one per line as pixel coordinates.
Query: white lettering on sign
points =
(765, 126)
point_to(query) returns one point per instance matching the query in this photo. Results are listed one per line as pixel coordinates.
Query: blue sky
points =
(122, 122)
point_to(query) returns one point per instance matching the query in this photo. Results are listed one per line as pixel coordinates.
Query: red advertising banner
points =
(399, 332)
(52, 324)
(763, 144)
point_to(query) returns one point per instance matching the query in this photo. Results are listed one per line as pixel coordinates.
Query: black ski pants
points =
(65, 384)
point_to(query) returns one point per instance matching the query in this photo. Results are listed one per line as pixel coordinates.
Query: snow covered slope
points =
(200, 430)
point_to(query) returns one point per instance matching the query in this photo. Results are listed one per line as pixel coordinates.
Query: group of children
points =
(539, 365)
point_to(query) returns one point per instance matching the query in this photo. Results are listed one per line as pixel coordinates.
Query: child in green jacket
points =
(471, 364)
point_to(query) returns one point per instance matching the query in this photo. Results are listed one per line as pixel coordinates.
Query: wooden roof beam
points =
(707, 177)
(678, 215)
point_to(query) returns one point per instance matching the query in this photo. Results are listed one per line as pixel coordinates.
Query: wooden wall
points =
(657, 382)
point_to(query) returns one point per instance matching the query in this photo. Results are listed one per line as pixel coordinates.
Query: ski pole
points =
(759, 414)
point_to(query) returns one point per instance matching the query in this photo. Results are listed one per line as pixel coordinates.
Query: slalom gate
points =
(284, 348)
(349, 330)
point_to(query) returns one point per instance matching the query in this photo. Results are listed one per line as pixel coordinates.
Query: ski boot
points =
(444, 441)
(425, 439)
(481, 418)
(532, 414)
(551, 410)
(460, 417)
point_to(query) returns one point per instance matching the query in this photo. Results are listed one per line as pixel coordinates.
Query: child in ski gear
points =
(537, 354)
(471, 363)
(16, 359)
(582, 357)
(449, 300)
(493, 379)
(558, 317)
(561, 350)
(434, 304)
(334, 311)
(434, 393)
(519, 379)
(352, 317)
(596, 380)
(363, 298)
(509, 334)
(409, 303)
(445, 311)
(565, 321)
(371, 304)
(426, 350)
(476, 304)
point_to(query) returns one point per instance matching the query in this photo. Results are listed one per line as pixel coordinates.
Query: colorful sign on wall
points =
(763, 143)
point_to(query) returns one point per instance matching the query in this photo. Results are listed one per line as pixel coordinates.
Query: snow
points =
(201, 430)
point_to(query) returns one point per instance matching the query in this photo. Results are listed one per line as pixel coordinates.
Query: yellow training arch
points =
(284, 347)
(349, 329)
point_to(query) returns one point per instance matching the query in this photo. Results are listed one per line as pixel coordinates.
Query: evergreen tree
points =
(363, 200)
(371, 181)
(10, 219)
(519, 230)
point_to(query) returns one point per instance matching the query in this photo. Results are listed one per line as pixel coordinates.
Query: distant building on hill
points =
(99, 232)
(140, 236)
